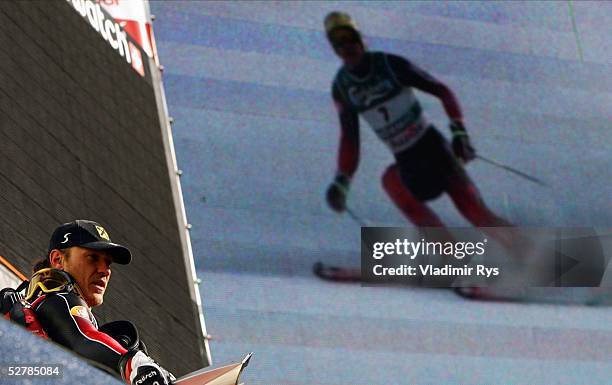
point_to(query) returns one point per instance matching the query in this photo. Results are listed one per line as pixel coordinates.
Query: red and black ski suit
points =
(380, 90)
(68, 321)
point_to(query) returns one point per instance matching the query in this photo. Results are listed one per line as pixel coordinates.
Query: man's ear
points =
(56, 259)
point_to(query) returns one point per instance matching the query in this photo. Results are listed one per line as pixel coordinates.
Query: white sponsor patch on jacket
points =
(80, 311)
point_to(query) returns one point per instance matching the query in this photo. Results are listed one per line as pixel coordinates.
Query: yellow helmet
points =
(337, 19)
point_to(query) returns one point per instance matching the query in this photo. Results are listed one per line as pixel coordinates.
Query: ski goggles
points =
(48, 280)
(340, 37)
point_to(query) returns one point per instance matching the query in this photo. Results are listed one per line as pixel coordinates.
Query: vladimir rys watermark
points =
(412, 250)
(431, 270)
(468, 257)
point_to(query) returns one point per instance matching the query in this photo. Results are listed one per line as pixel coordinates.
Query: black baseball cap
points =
(90, 235)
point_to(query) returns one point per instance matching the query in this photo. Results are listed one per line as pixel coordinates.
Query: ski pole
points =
(356, 217)
(361, 222)
(513, 170)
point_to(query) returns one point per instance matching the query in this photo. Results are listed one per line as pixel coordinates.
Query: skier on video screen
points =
(378, 86)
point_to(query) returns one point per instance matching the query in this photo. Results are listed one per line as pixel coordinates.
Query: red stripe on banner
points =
(132, 27)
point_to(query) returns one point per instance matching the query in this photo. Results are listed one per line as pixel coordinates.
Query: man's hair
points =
(45, 262)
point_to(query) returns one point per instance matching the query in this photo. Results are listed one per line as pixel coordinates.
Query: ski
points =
(485, 294)
(592, 296)
(336, 273)
(559, 296)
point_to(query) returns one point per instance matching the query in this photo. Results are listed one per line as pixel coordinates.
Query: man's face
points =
(347, 46)
(91, 270)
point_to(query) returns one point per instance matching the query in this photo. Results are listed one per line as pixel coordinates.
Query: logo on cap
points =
(103, 234)
(65, 238)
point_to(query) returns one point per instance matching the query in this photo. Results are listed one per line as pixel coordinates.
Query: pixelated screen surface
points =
(256, 134)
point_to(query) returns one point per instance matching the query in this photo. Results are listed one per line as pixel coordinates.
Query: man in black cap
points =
(72, 280)
(84, 250)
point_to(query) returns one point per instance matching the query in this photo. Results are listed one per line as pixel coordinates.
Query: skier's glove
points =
(140, 369)
(337, 192)
(462, 148)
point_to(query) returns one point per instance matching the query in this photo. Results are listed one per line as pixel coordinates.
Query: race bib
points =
(398, 122)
